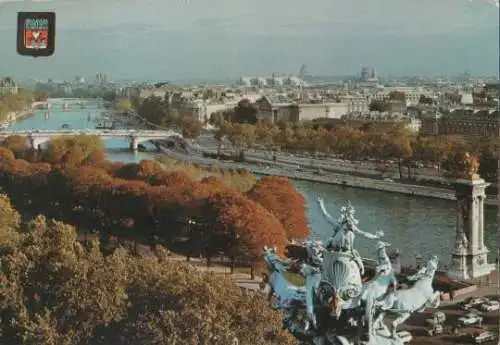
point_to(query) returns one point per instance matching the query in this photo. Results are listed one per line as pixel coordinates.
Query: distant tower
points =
(303, 71)
(365, 73)
(373, 73)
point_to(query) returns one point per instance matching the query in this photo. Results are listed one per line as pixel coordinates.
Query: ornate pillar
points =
(469, 257)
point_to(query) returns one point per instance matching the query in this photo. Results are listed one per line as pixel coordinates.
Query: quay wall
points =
(333, 178)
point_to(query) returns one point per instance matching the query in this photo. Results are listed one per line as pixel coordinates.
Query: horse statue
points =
(286, 293)
(377, 287)
(415, 299)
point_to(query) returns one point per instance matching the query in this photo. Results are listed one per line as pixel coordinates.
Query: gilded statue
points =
(470, 166)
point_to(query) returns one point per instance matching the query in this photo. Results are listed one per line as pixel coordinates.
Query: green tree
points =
(397, 96)
(380, 106)
(245, 112)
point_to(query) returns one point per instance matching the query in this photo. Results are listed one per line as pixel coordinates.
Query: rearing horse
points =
(415, 299)
(286, 292)
(376, 288)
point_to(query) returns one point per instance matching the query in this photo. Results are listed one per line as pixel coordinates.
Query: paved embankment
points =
(346, 179)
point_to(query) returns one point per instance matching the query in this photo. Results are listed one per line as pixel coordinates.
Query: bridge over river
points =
(38, 139)
(69, 102)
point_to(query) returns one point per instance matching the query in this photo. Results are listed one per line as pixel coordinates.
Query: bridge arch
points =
(40, 139)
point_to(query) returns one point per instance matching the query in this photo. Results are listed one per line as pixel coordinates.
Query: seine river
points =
(415, 226)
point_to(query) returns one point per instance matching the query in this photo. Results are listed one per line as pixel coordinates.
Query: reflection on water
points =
(416, 226)
(413, 225)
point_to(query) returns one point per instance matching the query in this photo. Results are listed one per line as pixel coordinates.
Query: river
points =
(414, 225)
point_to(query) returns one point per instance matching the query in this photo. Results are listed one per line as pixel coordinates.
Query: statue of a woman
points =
(345, 228)
(344, 232)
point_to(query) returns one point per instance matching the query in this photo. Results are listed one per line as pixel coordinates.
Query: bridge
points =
(38, 139)
(67, 102)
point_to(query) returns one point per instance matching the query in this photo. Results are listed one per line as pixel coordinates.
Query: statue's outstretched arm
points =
(375, 236)
(327, 215)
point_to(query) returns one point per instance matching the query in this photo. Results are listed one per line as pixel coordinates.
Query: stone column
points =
(469, 257)
(480, 201)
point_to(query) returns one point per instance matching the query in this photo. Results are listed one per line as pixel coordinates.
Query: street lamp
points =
(188, 224)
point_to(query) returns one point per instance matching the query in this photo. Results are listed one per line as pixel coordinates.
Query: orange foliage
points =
(278, 195)
(145, 202)
(17, 144)
(250, 225)
(6, 154)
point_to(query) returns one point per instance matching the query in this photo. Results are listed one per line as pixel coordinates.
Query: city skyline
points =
(187, 40)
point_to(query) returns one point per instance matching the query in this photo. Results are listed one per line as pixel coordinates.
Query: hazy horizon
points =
(222, 39)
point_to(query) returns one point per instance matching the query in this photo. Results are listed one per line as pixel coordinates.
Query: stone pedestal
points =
(470, 255)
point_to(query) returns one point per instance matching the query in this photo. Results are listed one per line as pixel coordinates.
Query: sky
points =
(219, 39)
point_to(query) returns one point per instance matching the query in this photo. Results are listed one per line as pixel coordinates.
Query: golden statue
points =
(471, 166)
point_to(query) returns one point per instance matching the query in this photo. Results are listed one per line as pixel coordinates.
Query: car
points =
(490, 306)
(482, 337)
(470, 319)
(405, 336)
(474, 302)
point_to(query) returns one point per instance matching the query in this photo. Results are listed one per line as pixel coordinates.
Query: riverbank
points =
(345, 180)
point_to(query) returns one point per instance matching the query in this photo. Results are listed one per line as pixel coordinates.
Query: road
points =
(208, 143)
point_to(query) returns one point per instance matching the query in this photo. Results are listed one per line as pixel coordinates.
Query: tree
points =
(6, 154)
(109, 96)
(191, 128)
(220, 134)
(17, 144)
(397, 96)
(400, 147)
(241, 228)
(40, 96)
(380, 106)
(85, 145)
(124, 105)
(245, 112)
(241, 136)
(278, 195)
(425, 100)
(57, 291)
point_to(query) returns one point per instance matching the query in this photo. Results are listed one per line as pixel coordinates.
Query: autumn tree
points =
(241, 228)
(191, 128)
(123, 105)
(278, 195)
(17, 144)
(72, 149)
(57, 291)
(241, 136)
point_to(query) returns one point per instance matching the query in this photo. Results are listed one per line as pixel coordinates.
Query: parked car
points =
(470, 319)
(474, 302)
(482, 337)
(437, 318)
(490, 306)
(405, 336)
(435, 329)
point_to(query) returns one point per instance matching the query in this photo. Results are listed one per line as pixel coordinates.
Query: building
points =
(8, 86)
(412, 94)
(465, 121)
(275, 109)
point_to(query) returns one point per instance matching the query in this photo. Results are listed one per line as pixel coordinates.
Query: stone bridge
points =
(38, 139)
(67, 102)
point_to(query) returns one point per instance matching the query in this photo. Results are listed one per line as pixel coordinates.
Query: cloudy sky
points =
(216, 39)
